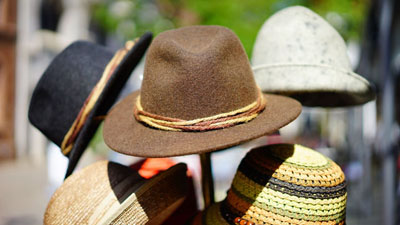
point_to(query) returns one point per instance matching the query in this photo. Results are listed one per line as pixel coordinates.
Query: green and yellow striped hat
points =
(282, 184)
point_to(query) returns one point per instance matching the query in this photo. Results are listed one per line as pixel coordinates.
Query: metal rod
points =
(387, 106)
(207, 183)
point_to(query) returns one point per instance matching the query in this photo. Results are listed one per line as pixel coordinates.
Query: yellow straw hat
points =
(282, 184)
(110, 193)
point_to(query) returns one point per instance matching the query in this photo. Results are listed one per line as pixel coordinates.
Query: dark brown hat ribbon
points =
(223, 120)
(70, 137)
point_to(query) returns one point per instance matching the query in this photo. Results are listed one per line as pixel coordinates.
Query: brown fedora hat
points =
(198, 95)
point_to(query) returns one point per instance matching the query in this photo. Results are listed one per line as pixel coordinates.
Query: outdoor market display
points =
(200, 95)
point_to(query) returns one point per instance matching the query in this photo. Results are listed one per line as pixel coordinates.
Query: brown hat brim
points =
(124, 134)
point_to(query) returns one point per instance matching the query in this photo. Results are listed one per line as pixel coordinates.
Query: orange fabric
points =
(152, 166)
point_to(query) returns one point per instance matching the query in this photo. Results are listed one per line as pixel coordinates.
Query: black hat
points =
(67, 84)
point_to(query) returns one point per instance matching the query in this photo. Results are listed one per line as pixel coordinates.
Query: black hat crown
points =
(66, 85)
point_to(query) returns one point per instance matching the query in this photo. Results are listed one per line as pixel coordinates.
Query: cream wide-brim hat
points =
(110, 193)
(298, 54)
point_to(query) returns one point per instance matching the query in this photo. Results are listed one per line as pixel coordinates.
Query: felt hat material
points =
(194, 72)
(282, 183)
(66, 84)
(110, 193)
(297, 53)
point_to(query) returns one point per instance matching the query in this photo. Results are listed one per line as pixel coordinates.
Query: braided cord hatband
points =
(70, 137)
(219, 121)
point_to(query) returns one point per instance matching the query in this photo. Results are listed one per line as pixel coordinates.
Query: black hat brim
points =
(107, 98)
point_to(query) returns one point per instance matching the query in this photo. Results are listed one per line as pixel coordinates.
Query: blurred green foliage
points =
(130, 18)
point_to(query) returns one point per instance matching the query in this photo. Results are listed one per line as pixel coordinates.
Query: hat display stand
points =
(198, 96)
(207, 181)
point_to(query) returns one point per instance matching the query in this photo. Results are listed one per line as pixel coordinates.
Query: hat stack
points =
(199, 95)
(282, 184)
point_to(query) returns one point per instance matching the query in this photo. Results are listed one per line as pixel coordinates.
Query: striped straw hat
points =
(282, 184)
(110, 193)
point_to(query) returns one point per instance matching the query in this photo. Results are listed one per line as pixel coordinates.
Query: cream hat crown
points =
(297, 53)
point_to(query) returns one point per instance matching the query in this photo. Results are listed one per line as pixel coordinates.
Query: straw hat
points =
(83, 82)
(198, 95)
(110, 193)
(297, 53)
(282, 184)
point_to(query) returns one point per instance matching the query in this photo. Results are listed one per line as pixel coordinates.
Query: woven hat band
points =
(219, 121)
(69, 139)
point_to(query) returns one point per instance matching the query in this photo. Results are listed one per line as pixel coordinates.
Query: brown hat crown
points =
(195, 72)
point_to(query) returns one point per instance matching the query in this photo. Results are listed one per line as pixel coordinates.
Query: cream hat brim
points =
(314, 85)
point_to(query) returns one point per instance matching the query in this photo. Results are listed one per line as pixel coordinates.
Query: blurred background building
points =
(363, 140)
